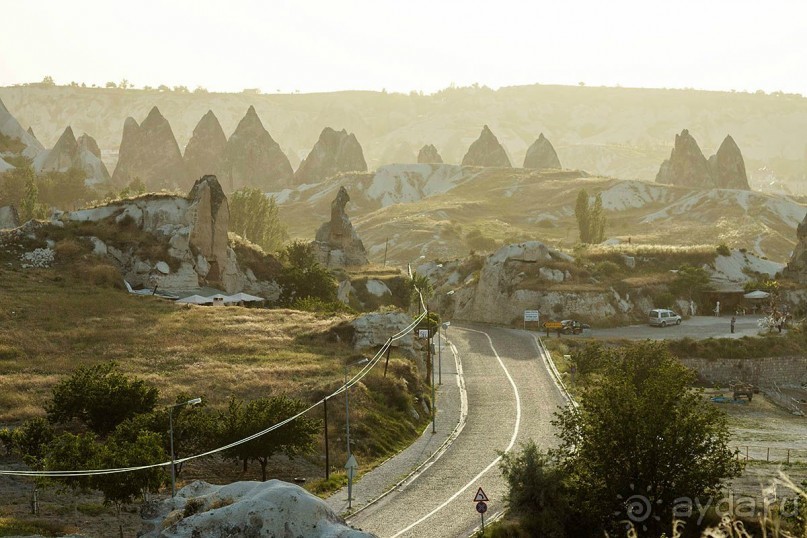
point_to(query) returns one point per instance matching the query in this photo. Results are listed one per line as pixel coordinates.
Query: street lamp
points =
(171, 435)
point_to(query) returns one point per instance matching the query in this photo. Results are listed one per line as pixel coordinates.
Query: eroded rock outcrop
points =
(204, 153)
(687, 167)
(797, 267)
(149, 151)
(9, 218)
(69, 152)
(428, 154)
(486, 151)
(271, 508)
(334, 152)
(728, 167)
(253, 159)
(27, 145)
(337, 244)
(541, 155)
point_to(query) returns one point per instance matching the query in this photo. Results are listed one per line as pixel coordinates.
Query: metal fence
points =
(773, 454)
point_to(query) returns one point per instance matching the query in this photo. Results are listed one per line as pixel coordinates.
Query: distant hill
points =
(615, 132)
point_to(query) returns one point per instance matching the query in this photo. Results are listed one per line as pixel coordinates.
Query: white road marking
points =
(495, 461)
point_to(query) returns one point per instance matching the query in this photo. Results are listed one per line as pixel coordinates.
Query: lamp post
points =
(171, 435)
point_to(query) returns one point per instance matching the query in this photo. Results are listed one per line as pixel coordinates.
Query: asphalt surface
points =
(511, 398)
(696, 327)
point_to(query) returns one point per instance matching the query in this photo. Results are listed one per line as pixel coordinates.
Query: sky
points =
(406, 45)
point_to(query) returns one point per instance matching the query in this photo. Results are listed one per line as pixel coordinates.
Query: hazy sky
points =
(403, 45)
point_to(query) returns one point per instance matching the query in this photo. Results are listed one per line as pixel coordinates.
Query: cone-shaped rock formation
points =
(728, 166)
(687, 167)
(9, 126)
(428, 155)
(334, 152)
(486, 151)
(541, 155)
(204, 153)
(253, 159)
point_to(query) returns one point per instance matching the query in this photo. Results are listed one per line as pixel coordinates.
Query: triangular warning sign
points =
(480, 496)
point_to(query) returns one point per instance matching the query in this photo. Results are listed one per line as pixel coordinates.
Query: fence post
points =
(768, 457)
(746, 452)
(788, 456)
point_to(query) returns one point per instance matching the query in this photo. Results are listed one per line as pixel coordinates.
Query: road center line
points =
(495, 461)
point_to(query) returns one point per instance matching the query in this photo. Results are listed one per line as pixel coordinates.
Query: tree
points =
(302, 276)
(65, 190)
(48, 82)
(293, 439)
(641, 429)
(255, 217)
(30, 208)
(581, 213)
(110, 84)
(101, 397)
(691, 282)
(194, 429)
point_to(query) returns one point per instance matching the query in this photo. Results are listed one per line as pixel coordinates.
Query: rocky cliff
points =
(337, 244)
(150, 152)
(334, 152)
(253, 159)
(797, 267)
(204, 153)
(428, 155)
(728, 167)
(486, 151)
(541, 155)
(9, 217)
(91, 160)
(687, 167)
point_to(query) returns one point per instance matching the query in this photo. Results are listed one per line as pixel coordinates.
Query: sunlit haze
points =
(312, 46)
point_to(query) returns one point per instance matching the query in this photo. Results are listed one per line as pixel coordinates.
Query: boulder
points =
(374, 329)
(541, 155)
(337, 244)
(150, 152)
(28, 145)
(486, 151)
(9, 218)
(204, 154)
(728, 167)
(253, 159)
(428, 155)
(334, 152)
(686, 167)
(271, 508)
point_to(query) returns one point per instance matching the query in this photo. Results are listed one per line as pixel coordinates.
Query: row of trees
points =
(101, 418)
(641, 442)
(33, 194)
(590, 218)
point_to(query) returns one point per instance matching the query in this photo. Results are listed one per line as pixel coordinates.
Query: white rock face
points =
(377, 288)
(375, 328)
(258, 509)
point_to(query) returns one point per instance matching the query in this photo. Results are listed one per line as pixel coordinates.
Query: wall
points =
(763, 372)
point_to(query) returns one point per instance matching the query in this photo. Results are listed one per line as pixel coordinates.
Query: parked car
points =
(572, 326)
(661, 317)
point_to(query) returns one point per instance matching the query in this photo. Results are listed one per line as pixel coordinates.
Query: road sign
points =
(480, 496)
(481, 507)
(351, 466)
(423, 333)
(532, 315)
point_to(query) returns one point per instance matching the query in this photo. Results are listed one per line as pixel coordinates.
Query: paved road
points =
(697, 327)
(511, 398)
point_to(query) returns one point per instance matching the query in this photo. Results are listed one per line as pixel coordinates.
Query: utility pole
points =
(431, 367)
(327, 456)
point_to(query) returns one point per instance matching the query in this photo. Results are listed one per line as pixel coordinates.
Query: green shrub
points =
(723, 250)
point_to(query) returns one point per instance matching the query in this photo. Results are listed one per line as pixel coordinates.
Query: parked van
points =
(660, 317)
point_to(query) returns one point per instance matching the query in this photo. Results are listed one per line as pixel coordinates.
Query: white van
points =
(660, 317)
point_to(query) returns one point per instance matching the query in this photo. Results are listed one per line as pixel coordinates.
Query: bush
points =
(606, 268)
(193, 506)
(68, 250)
(723, 250)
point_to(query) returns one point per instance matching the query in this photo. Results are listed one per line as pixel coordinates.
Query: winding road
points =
(511, 398)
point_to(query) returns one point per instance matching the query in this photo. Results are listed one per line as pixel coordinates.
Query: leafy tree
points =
(302, 276)
(30, 441)
(30, 208)
(110, 84)
(691, 282)
(74, 453)
(537, 491)
(293, 439)
(194, 429)
(65, 190)
(125, 84)
(596, 221)
(255, 217)
(48, 82)
(581, 213)
(101, 397)
(641, 428)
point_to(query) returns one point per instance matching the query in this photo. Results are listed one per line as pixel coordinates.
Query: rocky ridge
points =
(797, 266)
(486, 151)
(70, 152)
(253, 159)
(9, 126)
(334, 152)
(428, 155)
(687, 166)
(149, 151)
(541, 155)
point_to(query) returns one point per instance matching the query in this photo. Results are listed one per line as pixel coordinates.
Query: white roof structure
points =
(757, 294)
(196, 299)
(245, 297)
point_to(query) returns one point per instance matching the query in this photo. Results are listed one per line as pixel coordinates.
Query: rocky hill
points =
(428, 154)
(687, 167)
(541, 155)
(445, 211)
(615, 132)
(68, 152)
(334, 152)
(486, 151)
(204, 153)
